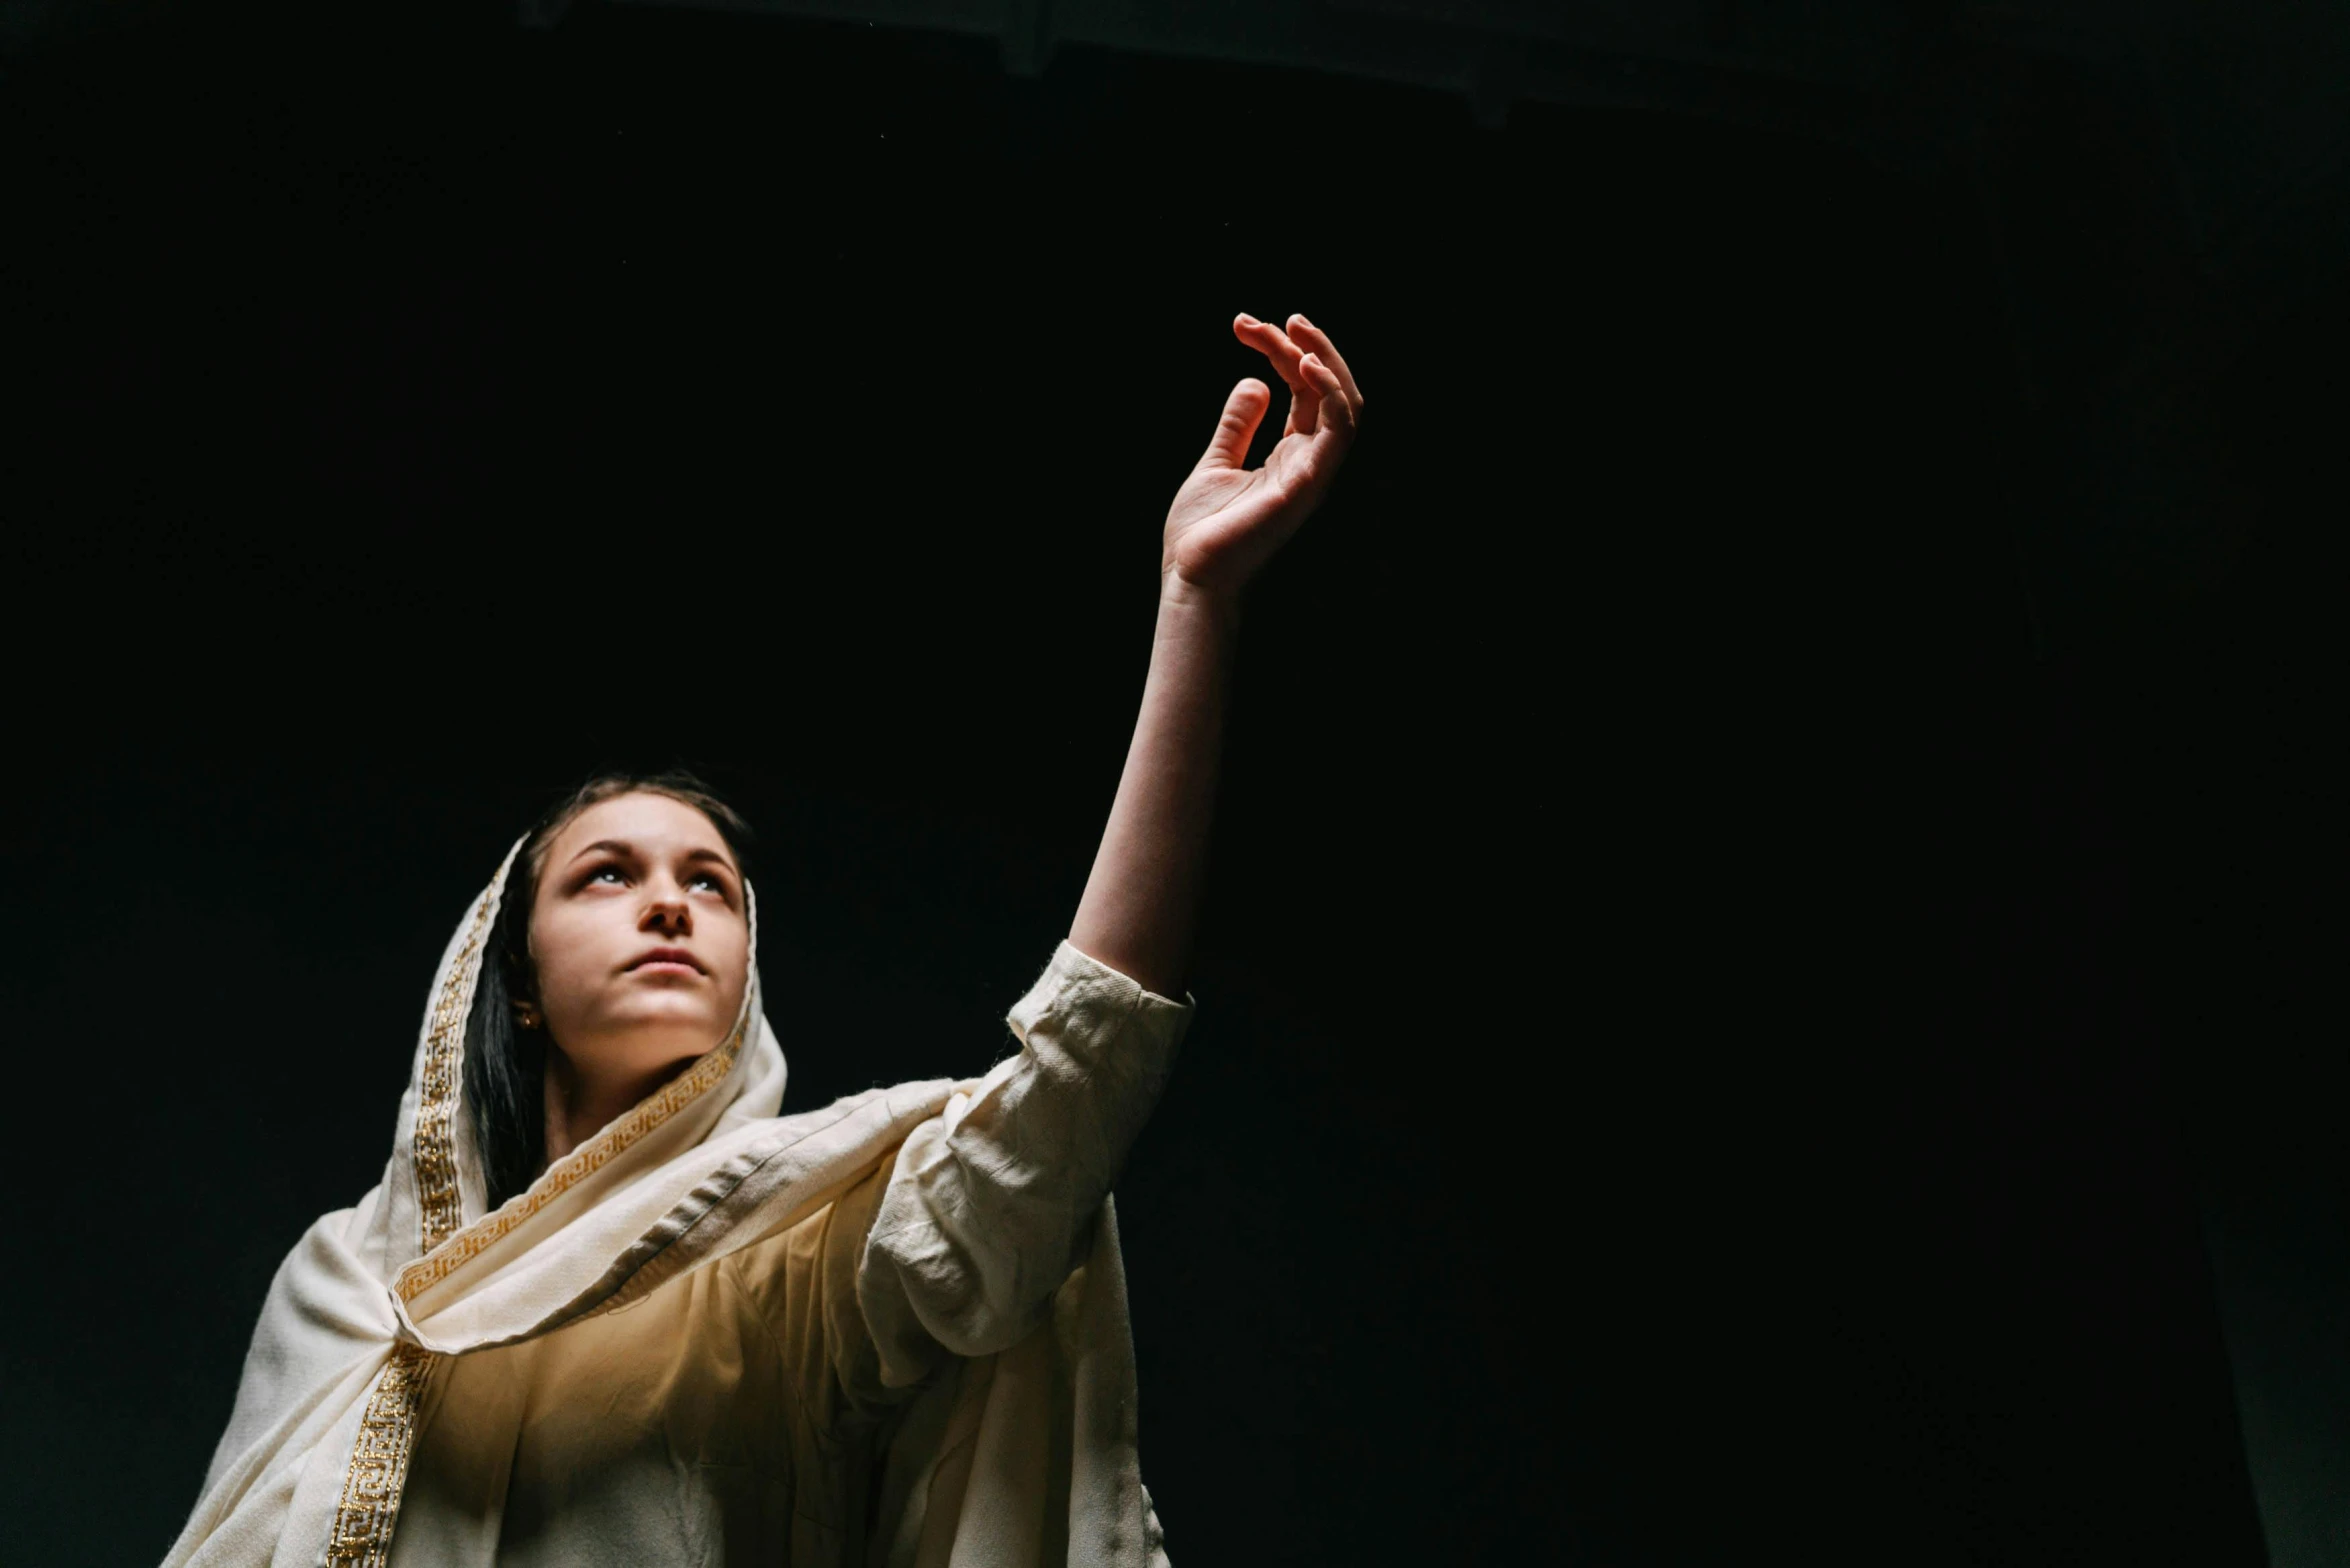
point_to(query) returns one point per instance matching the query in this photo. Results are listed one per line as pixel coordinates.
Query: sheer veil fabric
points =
(1013, 1441)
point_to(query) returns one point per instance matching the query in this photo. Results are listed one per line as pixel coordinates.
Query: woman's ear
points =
(526, 1013)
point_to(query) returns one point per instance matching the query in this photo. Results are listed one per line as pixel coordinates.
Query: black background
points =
(1720, 924)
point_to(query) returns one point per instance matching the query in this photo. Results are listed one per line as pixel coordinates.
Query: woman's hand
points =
(1227, 520)
(1143, 896)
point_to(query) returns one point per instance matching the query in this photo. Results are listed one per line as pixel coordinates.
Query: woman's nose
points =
(671, 915)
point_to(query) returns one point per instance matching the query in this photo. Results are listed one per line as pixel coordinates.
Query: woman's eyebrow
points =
(622, 847)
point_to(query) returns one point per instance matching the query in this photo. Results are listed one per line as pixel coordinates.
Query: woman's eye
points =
(601, 872)
(709, 880)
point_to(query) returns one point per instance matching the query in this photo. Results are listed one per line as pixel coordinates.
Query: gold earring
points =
(527, 1017)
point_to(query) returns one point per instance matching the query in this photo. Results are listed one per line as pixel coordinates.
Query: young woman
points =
(607, 1307)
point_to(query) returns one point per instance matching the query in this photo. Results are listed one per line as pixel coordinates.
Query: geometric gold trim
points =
(378, 1471)
(575, 1167)
(437, 1193)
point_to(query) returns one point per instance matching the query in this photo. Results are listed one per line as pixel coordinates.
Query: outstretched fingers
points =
(1287, 359)
(1324, 401)
(1337, 403)
(1273, 343)
(1330, 425)
(1317, 342)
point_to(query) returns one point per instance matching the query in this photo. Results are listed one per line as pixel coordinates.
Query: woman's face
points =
(638, 935)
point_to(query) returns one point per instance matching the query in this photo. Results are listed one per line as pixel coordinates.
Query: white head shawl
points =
(375, 1299)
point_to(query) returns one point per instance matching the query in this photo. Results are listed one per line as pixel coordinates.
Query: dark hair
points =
(505, 1064)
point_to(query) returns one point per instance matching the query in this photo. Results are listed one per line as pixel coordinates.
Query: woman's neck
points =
(580, 1105)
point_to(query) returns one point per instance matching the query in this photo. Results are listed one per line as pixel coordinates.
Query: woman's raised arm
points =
(1143, 894)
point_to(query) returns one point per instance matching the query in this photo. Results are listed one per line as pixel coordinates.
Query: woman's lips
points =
(666, 960)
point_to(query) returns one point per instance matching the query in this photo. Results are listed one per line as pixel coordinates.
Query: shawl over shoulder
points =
(989, 1287)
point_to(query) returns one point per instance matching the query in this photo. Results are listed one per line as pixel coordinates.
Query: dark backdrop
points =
(1713, 936)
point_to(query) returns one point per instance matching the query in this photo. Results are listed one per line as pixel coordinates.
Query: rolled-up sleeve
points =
(988, 1204)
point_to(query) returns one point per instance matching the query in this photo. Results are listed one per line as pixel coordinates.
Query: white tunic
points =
(890, 1332)
(729, 1417)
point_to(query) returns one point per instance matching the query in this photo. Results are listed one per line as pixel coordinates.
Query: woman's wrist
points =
(1214, 610)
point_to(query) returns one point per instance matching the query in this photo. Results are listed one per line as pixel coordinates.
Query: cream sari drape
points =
(988, 1301)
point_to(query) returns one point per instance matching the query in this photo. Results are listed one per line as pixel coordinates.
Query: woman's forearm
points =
(1142, 899)
(1226, 520)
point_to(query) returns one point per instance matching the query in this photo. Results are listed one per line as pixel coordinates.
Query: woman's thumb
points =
(1238, 424)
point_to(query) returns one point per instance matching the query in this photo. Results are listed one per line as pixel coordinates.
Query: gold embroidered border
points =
(378, 1471)
(576, 1166)
(437, 1194)
(377, 1474)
